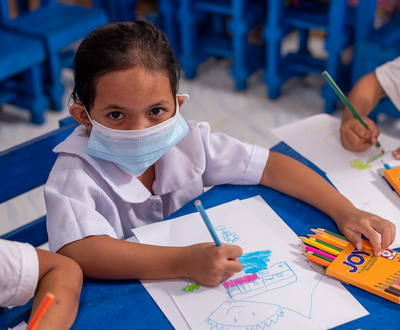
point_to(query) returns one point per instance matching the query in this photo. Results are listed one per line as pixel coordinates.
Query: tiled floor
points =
(247, 115)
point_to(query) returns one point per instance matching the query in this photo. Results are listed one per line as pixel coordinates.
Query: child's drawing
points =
(227, 236)
(360, 164)
(240, 313)
(190, 287)
(242, 316)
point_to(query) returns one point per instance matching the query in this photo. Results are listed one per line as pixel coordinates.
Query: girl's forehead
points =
(132, 88)
(135, 82)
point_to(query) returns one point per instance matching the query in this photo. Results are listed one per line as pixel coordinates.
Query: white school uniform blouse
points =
(19, 273)
(88, 196)
(388, 75)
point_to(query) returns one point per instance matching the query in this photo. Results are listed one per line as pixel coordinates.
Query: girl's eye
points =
(115, 115)
(157, 111)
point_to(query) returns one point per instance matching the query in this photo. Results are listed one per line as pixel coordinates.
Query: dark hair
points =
(120, 46)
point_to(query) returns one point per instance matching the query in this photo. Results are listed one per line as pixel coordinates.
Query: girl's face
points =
(130, 100)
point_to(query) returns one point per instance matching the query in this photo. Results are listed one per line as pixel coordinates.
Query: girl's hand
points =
(210, 264)
(359, 222)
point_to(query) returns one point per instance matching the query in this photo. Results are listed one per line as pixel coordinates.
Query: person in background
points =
(364, 96)
(26, 272)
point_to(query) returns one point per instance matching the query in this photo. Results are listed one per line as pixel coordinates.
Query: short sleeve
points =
(229, 160)
(19, 273)
(388, 75)
(75, 208)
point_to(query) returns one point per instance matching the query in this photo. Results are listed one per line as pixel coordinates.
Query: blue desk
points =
(127, 305)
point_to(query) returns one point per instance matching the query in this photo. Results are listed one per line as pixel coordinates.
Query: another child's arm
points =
(295, 179)
(63, 278)
(109, 258)
(364, 96)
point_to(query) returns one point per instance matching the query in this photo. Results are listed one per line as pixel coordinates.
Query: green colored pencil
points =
(332, 233)
(344, 99)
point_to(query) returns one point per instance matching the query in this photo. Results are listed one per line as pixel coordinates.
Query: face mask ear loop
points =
(186, 96)
(90, 119)
(87, 113)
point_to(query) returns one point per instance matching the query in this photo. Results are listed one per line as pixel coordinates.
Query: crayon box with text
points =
(379, 275)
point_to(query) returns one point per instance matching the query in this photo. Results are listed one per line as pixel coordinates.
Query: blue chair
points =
(59, 26)
(220, 28)
(20, 73)
(335, 18)
(374, 47)
(120, 10)
(169, 23)
(23, 168)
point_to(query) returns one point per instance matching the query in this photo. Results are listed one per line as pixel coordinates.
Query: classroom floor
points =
(247, 115)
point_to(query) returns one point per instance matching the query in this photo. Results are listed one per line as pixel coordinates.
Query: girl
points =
(135, 160)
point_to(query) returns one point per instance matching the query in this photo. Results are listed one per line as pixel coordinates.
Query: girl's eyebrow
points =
(114, 106)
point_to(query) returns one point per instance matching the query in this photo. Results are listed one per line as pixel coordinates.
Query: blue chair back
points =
(23, 168)
(26, 167)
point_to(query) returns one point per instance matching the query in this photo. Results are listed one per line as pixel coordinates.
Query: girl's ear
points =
(79, 113)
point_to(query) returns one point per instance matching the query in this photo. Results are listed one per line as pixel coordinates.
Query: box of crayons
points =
(333, 255)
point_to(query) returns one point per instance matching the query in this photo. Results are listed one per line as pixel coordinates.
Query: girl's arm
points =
(289, 176)
(63, 278)
(104, 257)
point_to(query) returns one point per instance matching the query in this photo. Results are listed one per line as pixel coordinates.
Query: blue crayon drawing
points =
(243, 310)
(227, 236)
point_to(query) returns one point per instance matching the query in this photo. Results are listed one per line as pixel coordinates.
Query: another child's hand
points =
(210, 264)
(355, 137)
(359, 223)
(396, 154)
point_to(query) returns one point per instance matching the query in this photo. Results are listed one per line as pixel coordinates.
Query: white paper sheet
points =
(317, 138)
(283, 289)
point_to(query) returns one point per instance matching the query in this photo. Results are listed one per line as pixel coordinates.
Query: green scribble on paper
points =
(375, 157)
(358, 164)
(191, 287)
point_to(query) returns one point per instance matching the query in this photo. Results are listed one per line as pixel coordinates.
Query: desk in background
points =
(127, 305)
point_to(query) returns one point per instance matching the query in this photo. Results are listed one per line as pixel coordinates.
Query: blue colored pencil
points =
(207, 221)
(387, 166)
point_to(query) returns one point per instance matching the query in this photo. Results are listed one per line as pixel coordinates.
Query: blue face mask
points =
(136, 150)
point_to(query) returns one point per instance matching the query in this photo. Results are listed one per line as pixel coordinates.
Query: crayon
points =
(309, 248)
(388, 290)
(326, 240)
(334, 234)
(387, 166)
(334, 240)
(44, 305)
(393, 284)
(318, 255)
(318, 260)
(207, 221)
(316, 231)
(319, 246)
(327, 244)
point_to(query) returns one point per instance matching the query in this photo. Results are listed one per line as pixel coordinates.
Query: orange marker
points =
(44, 305)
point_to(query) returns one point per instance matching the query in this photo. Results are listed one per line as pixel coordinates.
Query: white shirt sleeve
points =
(232, 161)
(19, 273)
(75, 205)
(388, 75)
